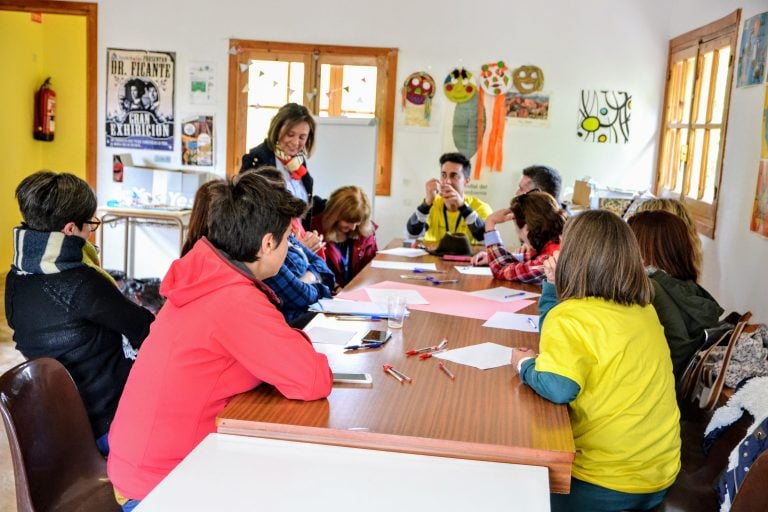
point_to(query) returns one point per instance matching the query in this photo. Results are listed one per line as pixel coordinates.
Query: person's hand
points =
(313, 241)
(453, 200)
(480, 259)
(431, 189)
(550, 265)
(498, 217)
(520, 353)
(308, 278)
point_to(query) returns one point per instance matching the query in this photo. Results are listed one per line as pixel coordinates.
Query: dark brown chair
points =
(55, 460)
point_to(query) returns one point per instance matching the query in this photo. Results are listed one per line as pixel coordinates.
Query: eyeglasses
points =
(94, 224)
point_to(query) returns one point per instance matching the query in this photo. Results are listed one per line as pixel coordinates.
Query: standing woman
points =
(289, 141)
(603, 353)
(350, 233)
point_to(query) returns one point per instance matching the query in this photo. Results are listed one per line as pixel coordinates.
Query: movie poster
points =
(140, 87)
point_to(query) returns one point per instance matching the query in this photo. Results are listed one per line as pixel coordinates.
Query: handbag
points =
(702, 381)
(456, 244)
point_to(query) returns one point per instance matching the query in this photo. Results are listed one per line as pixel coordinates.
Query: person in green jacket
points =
(685, 309)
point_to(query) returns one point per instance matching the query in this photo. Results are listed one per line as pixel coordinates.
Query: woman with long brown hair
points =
(685, 309)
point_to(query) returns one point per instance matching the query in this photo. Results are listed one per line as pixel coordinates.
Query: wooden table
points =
(482, 415)
(239, 473)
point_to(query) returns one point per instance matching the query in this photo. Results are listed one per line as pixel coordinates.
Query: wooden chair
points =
(55, 460)
(700, 382)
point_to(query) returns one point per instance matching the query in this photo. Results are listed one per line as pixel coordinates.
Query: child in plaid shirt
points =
(539, 221)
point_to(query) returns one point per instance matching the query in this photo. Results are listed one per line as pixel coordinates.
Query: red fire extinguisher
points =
(45, 112)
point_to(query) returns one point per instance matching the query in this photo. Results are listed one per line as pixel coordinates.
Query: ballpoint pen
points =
(365, 346)
(402, 375)
(360, 318)
(427, 271)
(435, 348)
(446, 370)
(514, 295)
(436, 282)
(388, 369)
(532, 323)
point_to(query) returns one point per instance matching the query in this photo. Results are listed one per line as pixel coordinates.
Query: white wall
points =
(735, 261)
(596, 44)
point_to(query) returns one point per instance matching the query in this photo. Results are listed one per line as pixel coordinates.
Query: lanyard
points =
(458, 220)
(344, 250)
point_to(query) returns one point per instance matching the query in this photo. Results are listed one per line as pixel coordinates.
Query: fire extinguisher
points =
(45, 112)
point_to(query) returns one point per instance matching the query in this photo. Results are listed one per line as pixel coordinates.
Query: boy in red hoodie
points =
(218, 335)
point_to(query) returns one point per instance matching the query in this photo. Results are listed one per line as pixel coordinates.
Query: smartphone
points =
(353, 378)
(376, 336)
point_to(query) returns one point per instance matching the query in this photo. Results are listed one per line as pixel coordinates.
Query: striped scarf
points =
(51, 252)
(294, 164)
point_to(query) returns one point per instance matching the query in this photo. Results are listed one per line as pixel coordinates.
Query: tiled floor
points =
(9, 357)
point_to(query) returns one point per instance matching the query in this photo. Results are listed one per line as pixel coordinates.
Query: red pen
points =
(401, 374)
(388, 369)
(447, 371)
(435, 348)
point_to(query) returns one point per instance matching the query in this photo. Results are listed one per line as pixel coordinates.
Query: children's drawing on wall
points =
(759, 223)
(754, 44)
(140, 88)
(528, 79)
(417, 93)
(495, 81)
(604, 116)
(764, 139)
(201, 83)
(197, 141)
(460, 87)
(527, 109)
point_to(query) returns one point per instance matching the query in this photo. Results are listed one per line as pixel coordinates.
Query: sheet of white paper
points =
(514, 321)
(352, 307)
(502, 294)
(380, 295)
(483, 356)
(406, 252)
(402, 265)
(474, 271)
(328, 335)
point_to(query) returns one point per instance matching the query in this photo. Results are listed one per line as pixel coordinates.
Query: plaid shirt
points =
(295, 294)
(505, 266)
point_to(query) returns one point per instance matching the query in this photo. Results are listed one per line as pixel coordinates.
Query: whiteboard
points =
(344, 154)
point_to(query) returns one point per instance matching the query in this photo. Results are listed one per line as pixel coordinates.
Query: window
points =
(329, 80)
(699, 76)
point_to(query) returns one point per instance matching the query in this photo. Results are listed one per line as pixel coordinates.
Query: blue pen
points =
(427, 271)
(533, 324)
(514, 295)
(361, 318)
(364, 347)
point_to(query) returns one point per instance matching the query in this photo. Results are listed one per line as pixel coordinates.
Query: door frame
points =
(90, 11)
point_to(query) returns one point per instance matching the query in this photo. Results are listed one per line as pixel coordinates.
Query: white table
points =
(234, 473)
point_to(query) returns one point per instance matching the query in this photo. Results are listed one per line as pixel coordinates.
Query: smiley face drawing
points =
(459, 86)
(496, 78)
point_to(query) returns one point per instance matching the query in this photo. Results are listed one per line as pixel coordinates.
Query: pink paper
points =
(446, 302)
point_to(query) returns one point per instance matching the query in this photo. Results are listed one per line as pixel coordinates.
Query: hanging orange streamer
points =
(495, 148)
(480, 130)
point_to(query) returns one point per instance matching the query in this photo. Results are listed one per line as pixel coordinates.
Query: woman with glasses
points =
(61, 303)
(539, 222)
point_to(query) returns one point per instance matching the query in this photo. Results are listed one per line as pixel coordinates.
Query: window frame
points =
(312, 55)
(695, 43)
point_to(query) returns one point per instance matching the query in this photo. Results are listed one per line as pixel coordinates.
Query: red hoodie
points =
(219, 334)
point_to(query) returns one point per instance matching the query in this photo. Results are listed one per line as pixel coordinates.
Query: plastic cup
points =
(395, 311)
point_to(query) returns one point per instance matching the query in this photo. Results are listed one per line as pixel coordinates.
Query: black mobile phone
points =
(376, 336)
